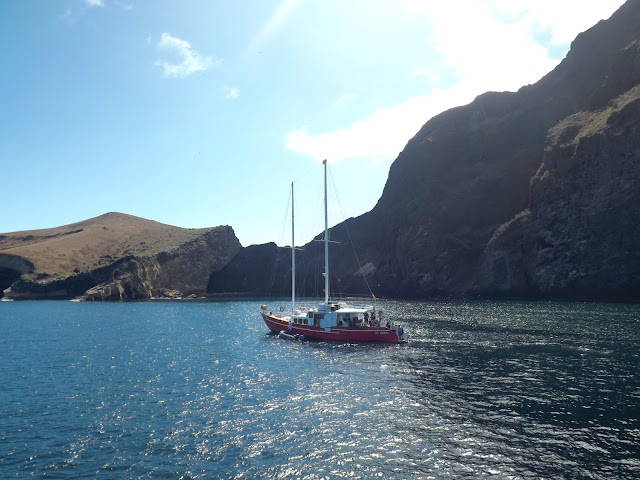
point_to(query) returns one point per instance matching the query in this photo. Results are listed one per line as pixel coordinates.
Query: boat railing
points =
(362, 307)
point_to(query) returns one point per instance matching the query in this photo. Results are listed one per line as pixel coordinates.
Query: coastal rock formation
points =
(580, 234)
(523, 193)
(11, 268)
(113, 257)
(256, 270)
(467, 172)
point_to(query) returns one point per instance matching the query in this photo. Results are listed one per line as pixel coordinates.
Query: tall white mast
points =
(326, 239)
(293, 257)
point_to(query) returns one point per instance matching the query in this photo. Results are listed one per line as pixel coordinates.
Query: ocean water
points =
(189, 389)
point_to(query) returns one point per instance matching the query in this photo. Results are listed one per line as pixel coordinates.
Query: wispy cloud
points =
(272, 25)
(231, 93)
(492, 47)
(187, 61)
(344, 98)
(73, 15)
(67, 17)
(420, 72)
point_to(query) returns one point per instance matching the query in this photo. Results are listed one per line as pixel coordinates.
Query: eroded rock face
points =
(184, 270)
(256, 270)
(580, 236)
(11, 268)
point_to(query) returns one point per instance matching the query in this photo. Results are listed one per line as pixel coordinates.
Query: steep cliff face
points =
(468, 170)
(256, 270)
(184, 270)
(114, 257)
(11, 268)
(460, 190)
(580, 234)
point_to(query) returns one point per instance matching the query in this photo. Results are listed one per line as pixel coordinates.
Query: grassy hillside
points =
(92, 243)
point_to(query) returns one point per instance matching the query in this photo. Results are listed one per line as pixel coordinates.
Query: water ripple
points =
(191, 390)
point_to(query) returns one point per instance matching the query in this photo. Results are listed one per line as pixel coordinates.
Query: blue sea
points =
(199, 389)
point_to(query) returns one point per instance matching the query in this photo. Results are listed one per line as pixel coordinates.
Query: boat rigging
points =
(331, 320)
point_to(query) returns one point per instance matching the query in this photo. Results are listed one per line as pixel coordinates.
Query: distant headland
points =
(113, 257)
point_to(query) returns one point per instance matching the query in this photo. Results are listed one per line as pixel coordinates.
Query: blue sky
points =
(201, 113)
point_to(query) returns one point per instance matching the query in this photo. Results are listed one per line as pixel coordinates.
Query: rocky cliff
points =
(113, 257)
(580, 234)
(527, 193)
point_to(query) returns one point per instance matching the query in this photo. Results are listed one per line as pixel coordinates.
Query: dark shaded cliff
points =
(580, 234)
(113, 257)
(458, 200)
(255, 271)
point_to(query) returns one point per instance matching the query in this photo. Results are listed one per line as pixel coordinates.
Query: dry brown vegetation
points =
(93, 243)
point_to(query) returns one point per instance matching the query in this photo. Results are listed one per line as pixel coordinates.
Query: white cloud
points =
(485, 51)
(231, 93)
(421, 72)
(564, 19)
(381, 136)
(188, 60)
(490, 46)
(95, 3)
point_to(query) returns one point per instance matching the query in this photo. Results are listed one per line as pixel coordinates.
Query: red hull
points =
(343, 334)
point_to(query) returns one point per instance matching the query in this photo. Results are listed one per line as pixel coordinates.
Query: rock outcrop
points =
(114, 257)
(11, 268)
(255, 271)
(580, 234)
(460, 209)
(181, 271)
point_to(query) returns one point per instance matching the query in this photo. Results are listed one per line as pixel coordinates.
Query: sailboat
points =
(334, 321)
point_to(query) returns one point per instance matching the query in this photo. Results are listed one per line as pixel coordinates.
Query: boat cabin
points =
(338, 315)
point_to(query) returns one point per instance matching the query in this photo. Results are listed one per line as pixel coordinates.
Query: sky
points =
(201, 113)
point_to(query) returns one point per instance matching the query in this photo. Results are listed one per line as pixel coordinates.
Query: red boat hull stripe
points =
(365, 334)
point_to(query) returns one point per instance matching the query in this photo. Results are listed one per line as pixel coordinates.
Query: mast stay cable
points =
(277, 259)
(344, 221)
